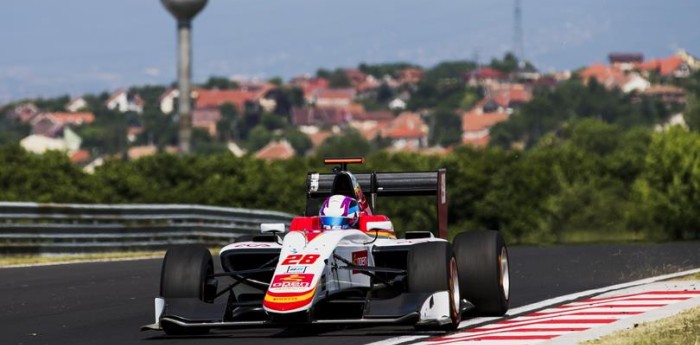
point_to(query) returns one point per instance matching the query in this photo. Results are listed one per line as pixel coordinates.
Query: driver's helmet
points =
(339, 212)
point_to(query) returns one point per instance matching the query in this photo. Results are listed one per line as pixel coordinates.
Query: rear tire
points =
(185, 274)
(482, 258)
(432, 267)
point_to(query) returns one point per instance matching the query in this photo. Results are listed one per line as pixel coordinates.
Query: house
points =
(505, 97)
(674, 120)
(46, 125)
(309, 85)
(80, 156)
(206, 118)
(235, 149)
(336, 98)
(410, 76)
(132, 132)
(319, 117)
(634, 82)
(476, 126)
(368, 85)
(484, 76)
(76, 105)
(371, 124)
(692, 61)
(527, 74)
(672, 66)
(37, 143)
(625, 61)
(166, 101)
(397, 104)
(75, 119)
(122, 102)
(67, 141)
(137, 152)
(407, 130)
(604, 75)
(24, 112)
(355, 76)
(276, 150)
(51, 124)
(369, 130)
(668, 94)
(213, 99)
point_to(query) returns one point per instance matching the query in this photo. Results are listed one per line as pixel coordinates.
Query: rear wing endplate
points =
(318, 186)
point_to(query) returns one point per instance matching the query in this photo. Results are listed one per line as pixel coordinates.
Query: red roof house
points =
(276, 150)
(476, 126)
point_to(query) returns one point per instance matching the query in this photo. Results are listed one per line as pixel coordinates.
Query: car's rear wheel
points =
(482, 259)
(185, 274)
(432, 267)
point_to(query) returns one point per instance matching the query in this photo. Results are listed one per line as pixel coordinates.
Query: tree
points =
(380, 70)
(229, 127)
(299, 141)
(669, 187)
(273, 121)
(349, 144)
(221, 83)
(259, 137)
(445, 128)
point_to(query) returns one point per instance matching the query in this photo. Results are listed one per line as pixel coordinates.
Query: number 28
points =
(299, 259)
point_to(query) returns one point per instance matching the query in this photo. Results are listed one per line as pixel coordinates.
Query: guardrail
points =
(80, 228)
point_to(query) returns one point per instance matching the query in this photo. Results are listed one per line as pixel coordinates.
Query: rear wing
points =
(377, 184)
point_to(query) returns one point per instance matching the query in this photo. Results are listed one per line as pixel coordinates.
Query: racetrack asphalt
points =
(107, 302)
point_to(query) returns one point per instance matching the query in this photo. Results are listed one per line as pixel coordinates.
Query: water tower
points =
(184, 11)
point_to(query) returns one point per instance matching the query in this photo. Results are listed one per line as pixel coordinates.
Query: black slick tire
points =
(432, 267)
(184, 275)
(482, 259)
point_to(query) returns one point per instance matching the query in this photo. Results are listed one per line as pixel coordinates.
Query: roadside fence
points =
(35, 228)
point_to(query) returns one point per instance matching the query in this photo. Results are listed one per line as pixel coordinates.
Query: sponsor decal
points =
(292, 281)
(287, 301)
(252, 245)
(296, 269)
(359, 259)
(300, 259)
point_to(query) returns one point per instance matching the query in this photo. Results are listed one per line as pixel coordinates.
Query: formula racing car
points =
(340, 263)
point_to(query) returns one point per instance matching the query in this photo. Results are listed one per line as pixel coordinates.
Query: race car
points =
(341, 264)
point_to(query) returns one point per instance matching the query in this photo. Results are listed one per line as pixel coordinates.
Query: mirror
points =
(272, 227)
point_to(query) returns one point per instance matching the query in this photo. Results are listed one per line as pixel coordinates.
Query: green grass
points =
(683, 328)
(18, 260)
(695, 276)
(583, 237)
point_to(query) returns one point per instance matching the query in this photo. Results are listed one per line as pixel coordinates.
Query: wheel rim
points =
(505, 275)
(454, 290)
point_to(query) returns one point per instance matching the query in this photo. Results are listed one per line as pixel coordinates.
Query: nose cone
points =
(184, 9)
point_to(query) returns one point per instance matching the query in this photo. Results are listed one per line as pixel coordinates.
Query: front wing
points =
(430, 309)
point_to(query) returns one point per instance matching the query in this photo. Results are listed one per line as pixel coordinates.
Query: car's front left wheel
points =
(432, 267)
(185, 274)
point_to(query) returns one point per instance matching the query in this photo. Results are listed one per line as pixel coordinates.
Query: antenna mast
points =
(518, 41)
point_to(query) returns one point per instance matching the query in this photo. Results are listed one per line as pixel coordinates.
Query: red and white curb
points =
(576, 317)
(580, 316)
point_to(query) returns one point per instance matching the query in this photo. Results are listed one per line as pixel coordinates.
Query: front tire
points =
(432, 267)
(185, 274)
(482, 258)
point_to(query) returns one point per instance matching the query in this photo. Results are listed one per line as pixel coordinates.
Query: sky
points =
(52, 48)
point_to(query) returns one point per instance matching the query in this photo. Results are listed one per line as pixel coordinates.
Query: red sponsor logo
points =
(359, 259)
(283, 281)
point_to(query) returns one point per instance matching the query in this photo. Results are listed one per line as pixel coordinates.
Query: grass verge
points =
(683, 328)
(695, 276)
(24, 260)
(20, 260)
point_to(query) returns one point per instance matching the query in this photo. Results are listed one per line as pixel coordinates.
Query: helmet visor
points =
(336, 222)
